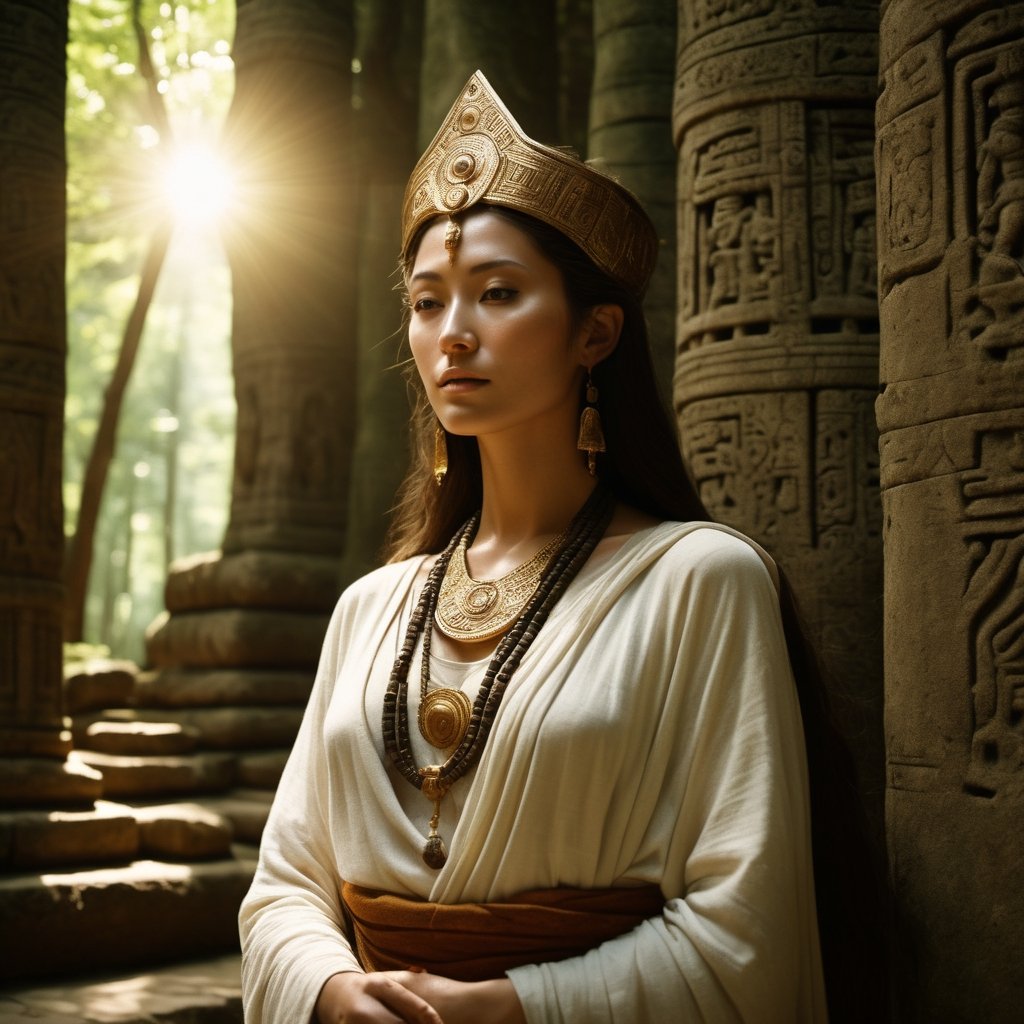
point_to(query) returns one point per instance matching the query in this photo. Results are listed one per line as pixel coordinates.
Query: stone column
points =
(631, 136)
(514, 44)
(950, 159)
(388, 50)
(777, 357)
(33, 742)
(245, 625)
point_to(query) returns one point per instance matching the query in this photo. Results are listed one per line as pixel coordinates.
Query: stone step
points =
(236, 637)
(196, 688)
(246, 809)
(261, 769)
(183, 831)
(98, 683)
(155, 739)
(251, 579)
(35, 782)
(144, 913)
(41, 839)
(195, 992)
(218, 728)
(125, 776)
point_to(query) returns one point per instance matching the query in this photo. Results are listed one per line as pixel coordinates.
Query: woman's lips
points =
(456, 379)
(455, 385)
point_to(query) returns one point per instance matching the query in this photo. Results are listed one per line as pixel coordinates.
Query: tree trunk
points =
(80, 549)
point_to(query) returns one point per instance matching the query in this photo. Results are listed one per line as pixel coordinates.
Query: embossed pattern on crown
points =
(481, 155)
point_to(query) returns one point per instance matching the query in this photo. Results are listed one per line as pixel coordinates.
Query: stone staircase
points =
(154, 870)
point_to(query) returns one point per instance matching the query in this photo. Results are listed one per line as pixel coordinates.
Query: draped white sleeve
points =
(651, 734)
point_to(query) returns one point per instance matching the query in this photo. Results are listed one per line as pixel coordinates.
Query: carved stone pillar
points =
(777, 358)
(32, 345)
(631, 136)
(950, 162)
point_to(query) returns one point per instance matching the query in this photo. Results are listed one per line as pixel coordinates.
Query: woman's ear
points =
(601, 333)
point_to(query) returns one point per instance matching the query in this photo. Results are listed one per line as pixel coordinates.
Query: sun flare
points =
(198, 185)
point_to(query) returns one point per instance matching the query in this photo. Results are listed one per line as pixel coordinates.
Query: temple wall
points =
(950, 154)
(777, 333)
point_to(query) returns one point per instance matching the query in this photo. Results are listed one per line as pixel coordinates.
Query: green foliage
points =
(116, 165)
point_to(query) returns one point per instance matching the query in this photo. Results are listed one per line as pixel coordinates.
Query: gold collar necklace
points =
(469, 609)
(462, 737)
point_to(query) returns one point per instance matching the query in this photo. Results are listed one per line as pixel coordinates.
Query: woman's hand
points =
(464, 1002)
(354, 998)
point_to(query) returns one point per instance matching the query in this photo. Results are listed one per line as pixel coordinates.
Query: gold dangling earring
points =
(440, 453)
(591, 439)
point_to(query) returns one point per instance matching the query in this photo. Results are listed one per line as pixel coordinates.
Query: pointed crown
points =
(481, 155)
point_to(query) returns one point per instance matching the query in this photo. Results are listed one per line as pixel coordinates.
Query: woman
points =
(555, 773)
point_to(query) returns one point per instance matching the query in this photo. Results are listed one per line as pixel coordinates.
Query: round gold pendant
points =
(444, 717)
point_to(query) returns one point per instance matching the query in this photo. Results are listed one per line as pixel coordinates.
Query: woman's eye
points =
(497, 294)
(422, 305)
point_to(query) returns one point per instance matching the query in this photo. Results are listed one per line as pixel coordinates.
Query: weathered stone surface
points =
(246, 809)
(950, 154)
(145, 913)
(98, 683)
(32, 348)
(38, 782)
(196, 992)
(262, 769)
(236, 728)
(147, 776)
(252, 579)
(36, 839)
(155, 739)
(183, 831)
(179, 688)
(236, 637)
(777, 361)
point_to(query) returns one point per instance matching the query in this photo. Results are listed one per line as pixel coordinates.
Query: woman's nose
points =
(457, 333)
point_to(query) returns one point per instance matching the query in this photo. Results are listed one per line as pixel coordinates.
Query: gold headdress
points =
(481, 155)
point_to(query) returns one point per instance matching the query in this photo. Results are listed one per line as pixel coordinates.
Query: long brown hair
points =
(642, 466)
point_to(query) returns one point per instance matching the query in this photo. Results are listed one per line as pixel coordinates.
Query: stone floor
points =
(200, 992)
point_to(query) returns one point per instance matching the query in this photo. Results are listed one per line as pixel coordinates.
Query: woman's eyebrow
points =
(479, 268)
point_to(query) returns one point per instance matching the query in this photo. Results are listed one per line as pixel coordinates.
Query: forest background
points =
(166, 492)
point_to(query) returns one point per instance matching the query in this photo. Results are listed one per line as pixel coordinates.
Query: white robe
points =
(650, 734)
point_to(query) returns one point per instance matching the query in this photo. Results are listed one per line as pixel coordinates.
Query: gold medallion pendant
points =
(469, 609)
(444, 717)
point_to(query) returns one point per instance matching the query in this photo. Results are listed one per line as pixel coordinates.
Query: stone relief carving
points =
(993, 504)
(749, 461)
(1000, 211)
(951, 210)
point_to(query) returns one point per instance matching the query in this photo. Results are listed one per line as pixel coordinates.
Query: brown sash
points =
(477, 941)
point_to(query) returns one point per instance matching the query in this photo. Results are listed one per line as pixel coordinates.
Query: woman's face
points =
(492, 333)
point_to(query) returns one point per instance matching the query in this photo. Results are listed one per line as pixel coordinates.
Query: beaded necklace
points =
(580, 539)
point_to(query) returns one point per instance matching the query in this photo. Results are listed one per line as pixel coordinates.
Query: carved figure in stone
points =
(741, 249)
(1001, 218)
(763, 242)
(910, 222)
(729, 217)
